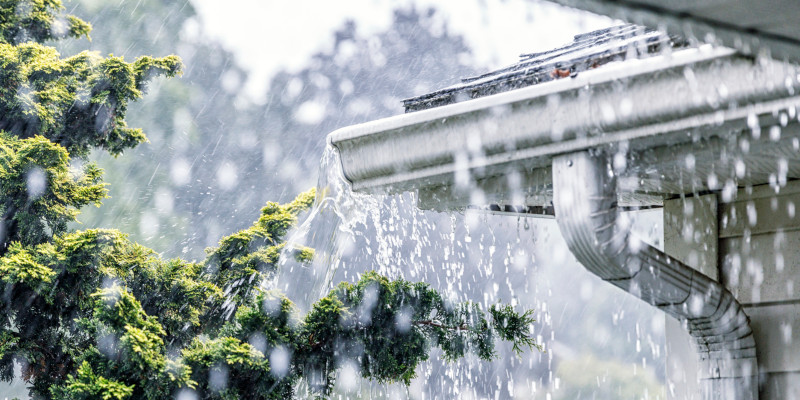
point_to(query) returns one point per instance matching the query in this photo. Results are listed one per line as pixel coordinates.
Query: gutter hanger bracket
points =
(585, 201)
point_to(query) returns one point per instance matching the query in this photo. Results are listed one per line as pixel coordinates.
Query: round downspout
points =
(585, 201)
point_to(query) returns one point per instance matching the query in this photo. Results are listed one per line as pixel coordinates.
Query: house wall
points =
(752, 245)
(759, 261)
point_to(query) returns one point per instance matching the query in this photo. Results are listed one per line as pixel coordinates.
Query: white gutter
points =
(644, 102)
(585, 201)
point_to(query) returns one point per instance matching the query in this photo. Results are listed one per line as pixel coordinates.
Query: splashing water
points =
(329, 229)
(467, 256)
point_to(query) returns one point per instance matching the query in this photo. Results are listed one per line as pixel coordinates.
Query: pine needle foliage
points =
(92, 315)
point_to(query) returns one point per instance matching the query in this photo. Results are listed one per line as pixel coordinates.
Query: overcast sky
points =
(268, 35)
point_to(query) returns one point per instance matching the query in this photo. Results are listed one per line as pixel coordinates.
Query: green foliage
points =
(39, 193)
(117, 343)
(38, 21)
(140, 335)
(52, 109)
(90, 314)
(87, 385)
(78, 102)
(253, 253)
(508, 324)
(20, 266)
(241, 371)
(389, 327)
(8, 346)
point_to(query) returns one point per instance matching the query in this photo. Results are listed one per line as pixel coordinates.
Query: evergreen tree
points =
(172, 200)
(93, 315)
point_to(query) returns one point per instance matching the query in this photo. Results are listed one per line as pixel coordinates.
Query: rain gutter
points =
(643, 102)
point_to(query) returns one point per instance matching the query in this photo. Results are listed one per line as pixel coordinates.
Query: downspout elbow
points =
(585, 201)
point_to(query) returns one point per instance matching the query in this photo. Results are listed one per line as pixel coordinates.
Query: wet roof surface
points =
(587, 51)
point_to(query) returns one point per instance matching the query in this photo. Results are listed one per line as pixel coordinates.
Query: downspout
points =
(585, 201)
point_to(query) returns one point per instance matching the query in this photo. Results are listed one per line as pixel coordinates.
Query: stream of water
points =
(475, 257)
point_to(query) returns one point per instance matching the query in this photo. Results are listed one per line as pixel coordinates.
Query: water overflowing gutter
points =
(673, 101)
(585, 199)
